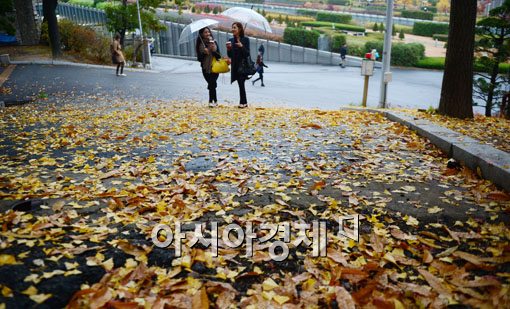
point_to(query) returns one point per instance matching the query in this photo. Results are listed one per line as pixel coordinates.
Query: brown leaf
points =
(434, 282)
(427, 257)
(100, 298)
(499, 196)
(318, 186)
(344, 299)
(398, 234)
(311, 125)
(200, 299)
(337, 256)
(468, 257)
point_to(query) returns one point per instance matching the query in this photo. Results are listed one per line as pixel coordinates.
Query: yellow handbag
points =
(219, 66)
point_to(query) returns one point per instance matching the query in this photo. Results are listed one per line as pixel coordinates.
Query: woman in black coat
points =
(238, 48)
(207, 48)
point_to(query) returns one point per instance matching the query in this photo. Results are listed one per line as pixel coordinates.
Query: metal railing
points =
(78, 14)
(166, 43)
(360, 17)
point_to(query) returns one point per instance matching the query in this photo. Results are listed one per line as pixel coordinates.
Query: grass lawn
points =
(438, 64)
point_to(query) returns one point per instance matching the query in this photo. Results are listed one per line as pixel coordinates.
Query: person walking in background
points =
(343, 54)
(207, 48)
(238, 48)
(260, 69)
(117, 55)
(262, 50)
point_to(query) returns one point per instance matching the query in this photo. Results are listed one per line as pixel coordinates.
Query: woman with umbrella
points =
(207, 48)
(238, 48)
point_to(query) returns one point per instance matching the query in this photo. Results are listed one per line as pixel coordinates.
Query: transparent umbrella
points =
(248, 17)
(188, 31)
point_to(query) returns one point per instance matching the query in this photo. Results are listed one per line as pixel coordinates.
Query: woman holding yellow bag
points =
(207, 50)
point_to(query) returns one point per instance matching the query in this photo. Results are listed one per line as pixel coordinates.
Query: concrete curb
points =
(493, 164)
(77, 64)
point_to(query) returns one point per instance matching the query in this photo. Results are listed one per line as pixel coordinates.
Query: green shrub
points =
(431, 9)
(441, 37)
(81, 40)
(418, 15)
(429, 29)
(338, 2)
(377, 45)
(357, 50)
(89, 3)
(375, 28)
(301, 37)
(401, 35)
(7, 26)
(435, 63)
(407, 54)
(329, 24)
(337, 40)
(104, 5)
(308, 12)
(333, 17)
(438, 63)
(401, 54)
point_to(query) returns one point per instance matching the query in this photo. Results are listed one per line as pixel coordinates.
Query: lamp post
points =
(144, 59)
(386, 74)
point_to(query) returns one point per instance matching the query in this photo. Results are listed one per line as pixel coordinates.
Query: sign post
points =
(367, 70)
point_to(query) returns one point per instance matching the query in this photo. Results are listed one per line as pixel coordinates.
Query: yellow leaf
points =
(6, 291)
(32, 290)
(7, 259)
(108, 264)
(40, 298)
(434, 210)
(409, 188)
(269, 284)
(280, 299)
(398, 304)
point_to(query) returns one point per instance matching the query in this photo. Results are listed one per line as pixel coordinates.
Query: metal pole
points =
(386, 54)
(365, 92)
(141, 32)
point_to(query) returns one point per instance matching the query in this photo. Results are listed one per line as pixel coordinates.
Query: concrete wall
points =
(167, 44)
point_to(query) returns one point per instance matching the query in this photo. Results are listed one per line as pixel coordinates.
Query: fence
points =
(81, 15)
(360, 17)
(166, 42)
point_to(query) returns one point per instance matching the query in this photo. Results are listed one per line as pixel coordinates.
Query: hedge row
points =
(418, 15)
(89, 3)
(401, 54)
(441, 37)
(333, 17)
(429, 29)
(337, 26)
(301, 37)
(339, 2)
(311, 13)
(431, 9)
(437, 63)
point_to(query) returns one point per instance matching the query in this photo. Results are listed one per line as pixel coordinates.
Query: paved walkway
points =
(304, 86)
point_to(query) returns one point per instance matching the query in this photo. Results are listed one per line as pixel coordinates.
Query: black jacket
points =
(236, 54)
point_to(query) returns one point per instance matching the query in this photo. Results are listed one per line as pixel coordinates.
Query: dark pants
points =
(121, 67)
(211, 79)
(261, 77)
(242, 91)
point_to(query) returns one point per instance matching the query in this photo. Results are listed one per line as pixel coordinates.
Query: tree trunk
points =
(122, 31)
(49, 7)
(499, 46)
(457, 89)
(25, 22)
(490, 94)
